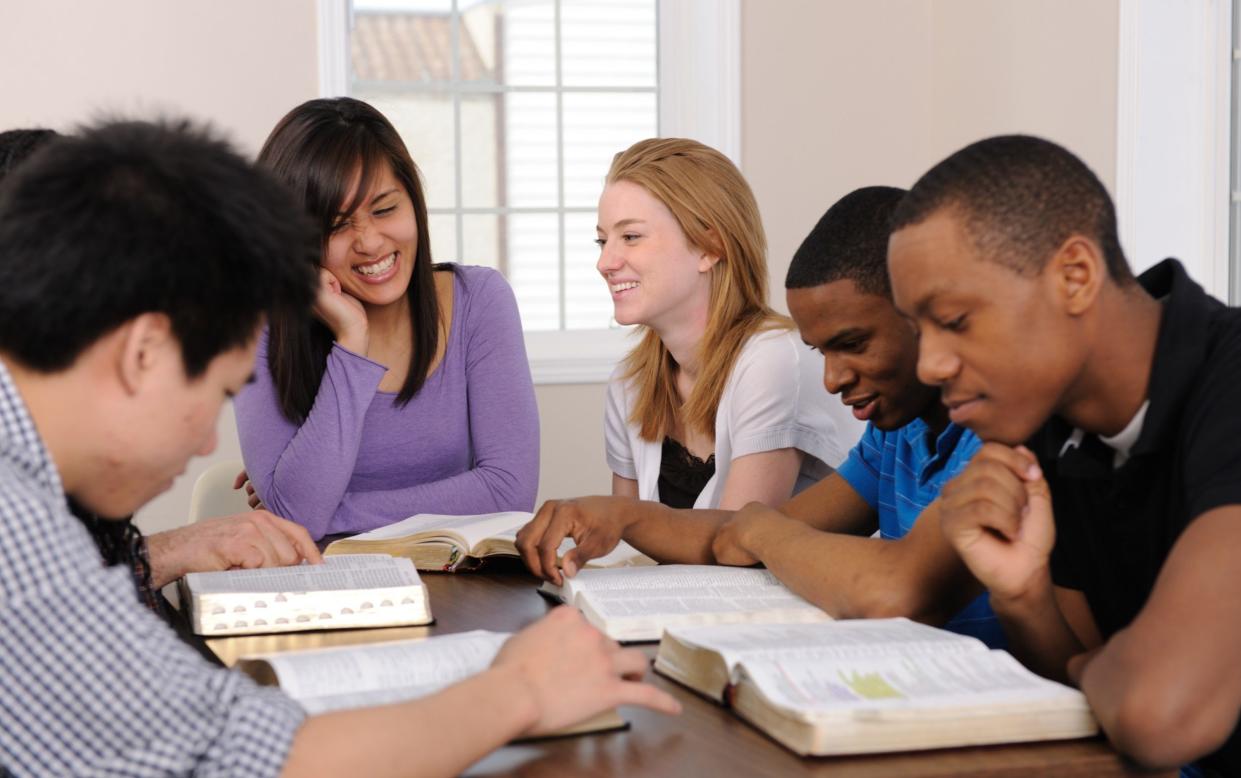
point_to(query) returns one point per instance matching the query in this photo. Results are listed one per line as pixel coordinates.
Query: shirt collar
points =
(1180, 349)
(1123, 441)
(931, 448)
(20, 442)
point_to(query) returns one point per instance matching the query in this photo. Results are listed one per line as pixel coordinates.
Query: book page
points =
(826, 641)
(674, 590)
(360, 676)
(667, 577)
(471, 528)
(967, 680)
(337, 573)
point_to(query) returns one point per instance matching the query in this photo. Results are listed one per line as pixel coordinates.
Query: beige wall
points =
(238, 63)
(836, 94)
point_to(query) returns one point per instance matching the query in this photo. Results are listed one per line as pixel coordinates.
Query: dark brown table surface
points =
(705, 739)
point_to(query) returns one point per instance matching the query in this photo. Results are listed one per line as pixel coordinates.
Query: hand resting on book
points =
(254, 539)
(573, 671)
(596, 525)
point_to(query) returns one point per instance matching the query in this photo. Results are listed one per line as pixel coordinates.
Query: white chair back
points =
(214, 494)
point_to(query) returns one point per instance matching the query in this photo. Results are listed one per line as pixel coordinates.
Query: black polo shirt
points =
(1116, 526)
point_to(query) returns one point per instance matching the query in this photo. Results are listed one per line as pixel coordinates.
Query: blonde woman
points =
(720, 404)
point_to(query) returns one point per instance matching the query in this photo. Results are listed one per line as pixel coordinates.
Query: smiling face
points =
(371, 251)
(870, 353)
(655, 275)
(998, 344)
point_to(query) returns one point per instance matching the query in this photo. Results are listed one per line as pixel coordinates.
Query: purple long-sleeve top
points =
(467, 442)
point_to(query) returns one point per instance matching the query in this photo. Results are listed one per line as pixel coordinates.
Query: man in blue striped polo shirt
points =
(819, 543)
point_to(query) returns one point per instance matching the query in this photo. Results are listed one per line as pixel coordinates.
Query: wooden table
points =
(704, 740)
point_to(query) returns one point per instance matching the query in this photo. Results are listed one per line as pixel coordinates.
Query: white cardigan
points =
(774, 399)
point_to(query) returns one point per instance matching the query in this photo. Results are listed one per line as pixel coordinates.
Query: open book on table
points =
(872, 685)
(369, 590)
(330, 679)
(638, 604)
(450, 543)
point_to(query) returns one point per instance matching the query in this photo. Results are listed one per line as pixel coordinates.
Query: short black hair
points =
(17, 145)
(849, 242)
(133, 217)
(1020, 197)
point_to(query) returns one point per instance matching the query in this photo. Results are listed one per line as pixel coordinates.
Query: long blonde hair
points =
(716, 210)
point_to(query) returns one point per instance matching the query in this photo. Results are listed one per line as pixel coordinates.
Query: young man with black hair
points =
(137, 264)
(254, 539)
(839, 296)
(1103, 512)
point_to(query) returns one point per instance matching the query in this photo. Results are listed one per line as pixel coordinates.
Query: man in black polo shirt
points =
(1124, 393)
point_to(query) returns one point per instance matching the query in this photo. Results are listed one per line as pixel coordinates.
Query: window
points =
(513, 109)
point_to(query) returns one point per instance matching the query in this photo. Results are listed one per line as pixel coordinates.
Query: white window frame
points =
(1174, 128)
(699, 97)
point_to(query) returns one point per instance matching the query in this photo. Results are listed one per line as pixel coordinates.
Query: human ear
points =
(1079, 272)
(706, 261)
(145, 341)
(711, 252)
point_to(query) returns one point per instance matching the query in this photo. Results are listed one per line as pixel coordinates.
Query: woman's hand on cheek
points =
(342, 314)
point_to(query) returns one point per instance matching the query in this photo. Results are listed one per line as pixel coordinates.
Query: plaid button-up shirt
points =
(91, 682)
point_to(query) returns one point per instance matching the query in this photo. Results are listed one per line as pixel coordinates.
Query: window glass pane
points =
(530, 149)
(598, 125)
(481, 173)
(443, 229)
(480, 240)
(401, 42)
(534, 268)
(443, 78)
(588, 304)
(425, 122)
(514, 42)
(607, 42)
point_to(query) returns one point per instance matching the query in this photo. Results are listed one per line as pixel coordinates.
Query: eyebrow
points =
(926, 300)
(382, 195)
(839, 338)
(375, 199)
(622, 223)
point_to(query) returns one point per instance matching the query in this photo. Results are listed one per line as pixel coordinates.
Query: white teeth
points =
(378, 268)
(622, 287)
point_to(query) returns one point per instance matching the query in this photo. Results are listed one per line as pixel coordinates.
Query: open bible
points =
(865, 685)
(368, 590)
(638, 604)
(449, 543)
(329, 679)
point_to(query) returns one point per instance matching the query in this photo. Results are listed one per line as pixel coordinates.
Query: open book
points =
(872, 685)
(369, 590)
(449, 543)
(638, 604)
(329, 679)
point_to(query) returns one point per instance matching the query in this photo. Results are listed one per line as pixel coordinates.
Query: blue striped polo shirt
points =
(899, 473)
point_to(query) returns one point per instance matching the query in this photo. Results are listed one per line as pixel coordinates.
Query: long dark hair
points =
(316, 149)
